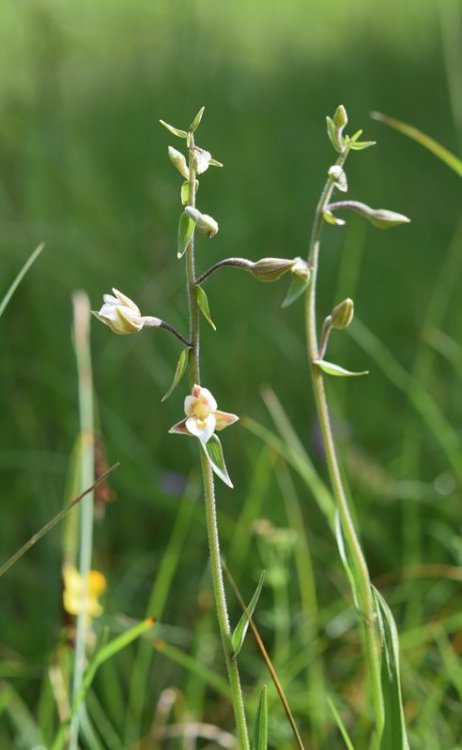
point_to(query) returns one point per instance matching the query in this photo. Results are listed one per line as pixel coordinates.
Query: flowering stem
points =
(365, 597)
(209, 489)
(232, 262)
(167, 327)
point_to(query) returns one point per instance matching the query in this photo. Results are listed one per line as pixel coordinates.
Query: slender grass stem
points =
(85, 385)
(209, 488)
(365, 597)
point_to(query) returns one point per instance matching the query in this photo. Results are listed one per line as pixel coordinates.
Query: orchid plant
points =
(203, 418)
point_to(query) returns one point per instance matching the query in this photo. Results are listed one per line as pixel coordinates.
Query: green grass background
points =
(84, 167)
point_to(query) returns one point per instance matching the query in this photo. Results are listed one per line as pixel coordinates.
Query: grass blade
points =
(261, 722)
(394, 736)
(340, 724)
(441, 152)
(32, 258)
(48, 526)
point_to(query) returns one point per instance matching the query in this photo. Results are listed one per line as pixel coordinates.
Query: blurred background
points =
(84, 168)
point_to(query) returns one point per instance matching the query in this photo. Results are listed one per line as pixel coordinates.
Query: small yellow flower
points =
(74, 600)
(203, 415)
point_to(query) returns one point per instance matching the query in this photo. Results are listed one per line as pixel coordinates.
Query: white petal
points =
(201, 428)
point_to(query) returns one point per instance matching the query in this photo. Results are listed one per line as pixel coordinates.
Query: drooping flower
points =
(202, 416)
(201, 159)
(74, 599)
(205, 223)
(122, 315)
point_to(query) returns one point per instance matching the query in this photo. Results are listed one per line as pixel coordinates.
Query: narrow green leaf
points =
(8, 295)
(203, 302)
(260, 741)
(179, 372)
(394, 735)
(295, 290)
(340, 724)
(214, 452)
(241, 628)
(185, 232)
(339, 372)
(441, 152)
(176, 131)
(349, 570)
(197, 121)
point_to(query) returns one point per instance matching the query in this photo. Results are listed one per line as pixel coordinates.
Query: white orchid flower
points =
(122, 315)
(202, 416)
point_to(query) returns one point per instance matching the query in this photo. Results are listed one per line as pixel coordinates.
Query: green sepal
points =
(197, 121)
(185, 233)
(179, 372)
(295, 290)
(214, 454)
(203, 302)
(240, 631)
(176, 131)
(260, 735)
(185, 192)
(331, 219)
(330, 369)
(355, 144)
(215, 163)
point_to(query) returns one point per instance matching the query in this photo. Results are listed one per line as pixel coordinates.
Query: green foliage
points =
(82, 165)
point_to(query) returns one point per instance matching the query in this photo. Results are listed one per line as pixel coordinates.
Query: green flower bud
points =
(340, 117)
(179, 161)
(342, 314)
(271, 269)
(384, 219)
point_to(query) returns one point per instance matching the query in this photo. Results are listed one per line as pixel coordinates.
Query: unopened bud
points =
(342, 314)
(340, 117)
(301, 270)
(204, 223)
(179, 161)
(384, 219)
(271, 269)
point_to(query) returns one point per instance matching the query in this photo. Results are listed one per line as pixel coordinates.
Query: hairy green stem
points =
(365, 597)
(209, 489)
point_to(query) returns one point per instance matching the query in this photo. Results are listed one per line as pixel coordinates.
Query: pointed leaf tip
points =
(203, 302)
(185, 232)
(241, 628)
(331, 369)
(179, 372)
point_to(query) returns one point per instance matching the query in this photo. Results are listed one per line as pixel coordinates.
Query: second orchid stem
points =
(364, 592)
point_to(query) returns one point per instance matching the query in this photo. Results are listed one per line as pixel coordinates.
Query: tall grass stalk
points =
(85, 391)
